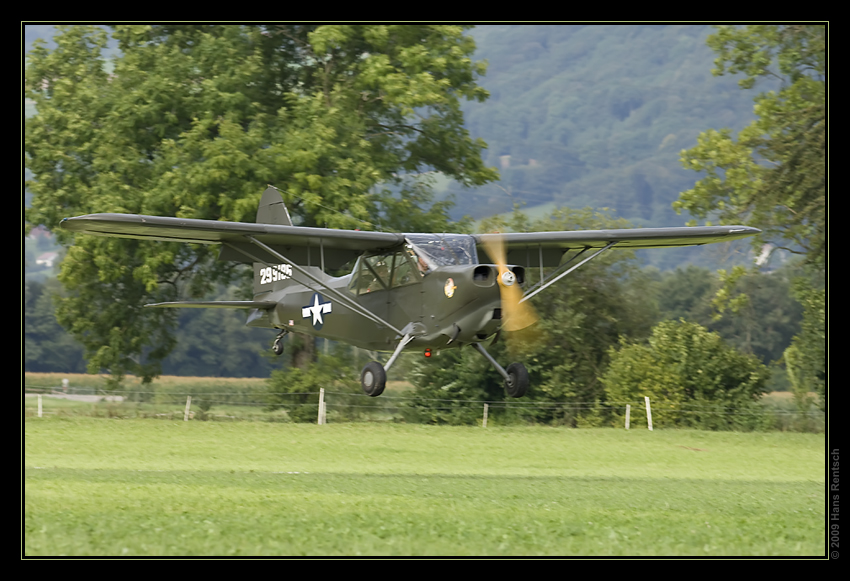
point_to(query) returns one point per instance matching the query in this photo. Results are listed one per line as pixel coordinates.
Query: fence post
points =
(628, 414)
(485, 415)
(39, 405)
(321, 418)
(186, 412)
(648, 413)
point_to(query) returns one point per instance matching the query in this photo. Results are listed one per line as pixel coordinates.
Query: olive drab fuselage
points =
(449, 306)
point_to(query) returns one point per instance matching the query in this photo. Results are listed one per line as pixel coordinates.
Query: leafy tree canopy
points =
(196, 120)
(690, 375)
(773, 175)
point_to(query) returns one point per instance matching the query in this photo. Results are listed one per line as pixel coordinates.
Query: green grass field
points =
(143, 487)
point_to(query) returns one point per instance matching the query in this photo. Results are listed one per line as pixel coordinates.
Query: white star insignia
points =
(316, 310)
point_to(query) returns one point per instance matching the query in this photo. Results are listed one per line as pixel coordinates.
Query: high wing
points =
(301, 244)
(529, 248)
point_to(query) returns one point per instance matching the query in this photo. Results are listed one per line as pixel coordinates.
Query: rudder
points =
(272, 210)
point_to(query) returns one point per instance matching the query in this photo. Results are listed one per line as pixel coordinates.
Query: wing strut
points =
(322, 288)
(563, 274)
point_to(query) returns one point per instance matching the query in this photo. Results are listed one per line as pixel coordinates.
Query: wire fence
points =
(249, 404)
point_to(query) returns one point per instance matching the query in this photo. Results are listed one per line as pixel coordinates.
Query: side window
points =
(356, 275)
(377, 273)
(381, 272)
(404, 272)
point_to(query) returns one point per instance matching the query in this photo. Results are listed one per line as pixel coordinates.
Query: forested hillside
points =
(596, 116)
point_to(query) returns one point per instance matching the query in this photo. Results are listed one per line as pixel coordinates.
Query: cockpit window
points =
(443, 249)
(385, 271)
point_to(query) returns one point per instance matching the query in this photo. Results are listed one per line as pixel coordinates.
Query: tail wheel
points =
(373, 379)
(517, 385)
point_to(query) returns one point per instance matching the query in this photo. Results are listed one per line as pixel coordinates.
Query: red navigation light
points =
(427, 353)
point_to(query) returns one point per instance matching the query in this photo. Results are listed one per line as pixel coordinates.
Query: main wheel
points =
(277, 347)
(518, 384)
(373, 379)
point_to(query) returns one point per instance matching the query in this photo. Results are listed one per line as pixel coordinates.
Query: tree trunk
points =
(303, 350)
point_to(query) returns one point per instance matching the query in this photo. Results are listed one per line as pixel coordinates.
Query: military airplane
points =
(405, 291)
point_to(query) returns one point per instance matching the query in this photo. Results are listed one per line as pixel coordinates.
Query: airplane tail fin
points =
(272, 210)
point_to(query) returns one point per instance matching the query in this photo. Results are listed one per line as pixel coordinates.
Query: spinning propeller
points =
(517, 315)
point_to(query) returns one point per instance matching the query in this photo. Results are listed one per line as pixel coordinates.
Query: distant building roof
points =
(47, 258)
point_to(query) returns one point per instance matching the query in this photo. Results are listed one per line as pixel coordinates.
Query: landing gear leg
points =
(277, 346)
(516, 376)
(373, 378)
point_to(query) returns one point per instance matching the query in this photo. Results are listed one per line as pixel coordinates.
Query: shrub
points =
(297, 390)
(691, 377)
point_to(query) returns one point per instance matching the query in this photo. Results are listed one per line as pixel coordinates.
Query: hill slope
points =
(596, 116)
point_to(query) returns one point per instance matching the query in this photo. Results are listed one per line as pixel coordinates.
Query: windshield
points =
(444, 249)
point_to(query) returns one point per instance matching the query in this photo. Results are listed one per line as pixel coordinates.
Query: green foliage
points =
(451, 386)
(637, 371)
(773, 176)
(593, 115)
(584, 315)
(805, 358)
(216, 343)
(684, 293)
(196, 120)
(47, 346)
(767, 315)
(691, 376)
(296, 389)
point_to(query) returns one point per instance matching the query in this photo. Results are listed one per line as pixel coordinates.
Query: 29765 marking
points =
(272, 274)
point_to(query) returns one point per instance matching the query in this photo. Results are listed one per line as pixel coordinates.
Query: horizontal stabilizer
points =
(218, 304)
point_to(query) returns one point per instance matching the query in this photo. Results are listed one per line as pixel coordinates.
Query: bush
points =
(693, 379)
(297, 390)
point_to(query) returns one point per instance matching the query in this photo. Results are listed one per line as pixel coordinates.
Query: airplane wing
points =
(529, 247)
(301, 244)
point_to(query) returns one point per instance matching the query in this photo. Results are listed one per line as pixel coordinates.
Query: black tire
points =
(518, 384)
(373, 379)
(277, 347)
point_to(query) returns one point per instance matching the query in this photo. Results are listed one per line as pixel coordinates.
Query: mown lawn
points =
(144, 487)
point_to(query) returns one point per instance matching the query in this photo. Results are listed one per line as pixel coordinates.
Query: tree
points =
(196, 120)
(764, 324)
(690, 375)
(296, 390)
(773, 176)
(47, 346)
(805, 358)
(216, 342)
